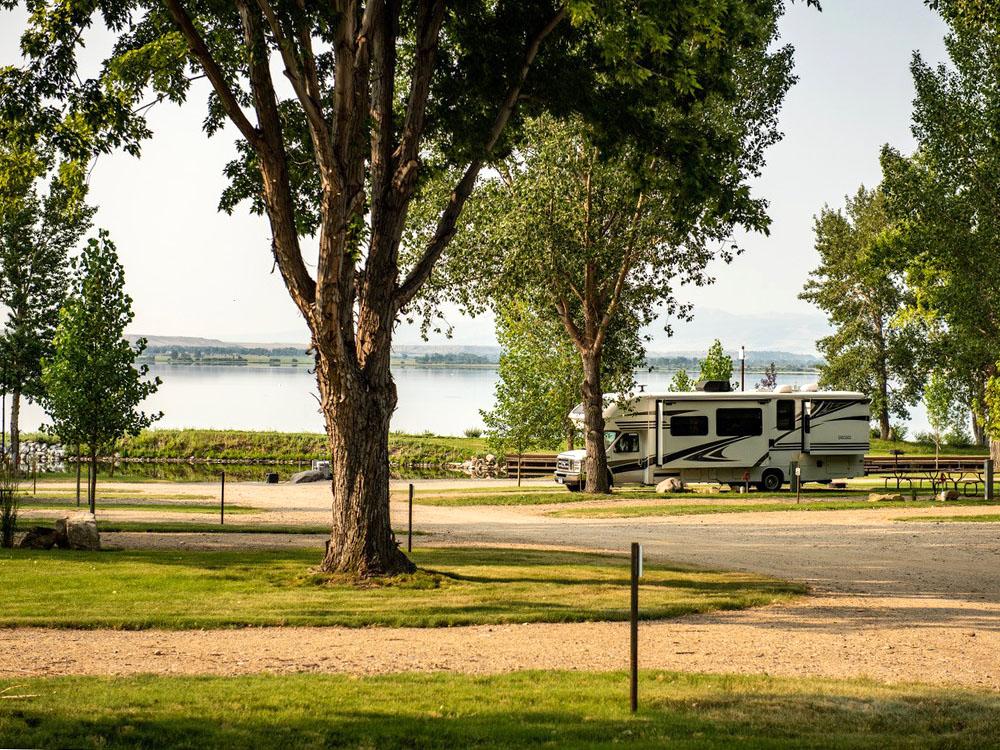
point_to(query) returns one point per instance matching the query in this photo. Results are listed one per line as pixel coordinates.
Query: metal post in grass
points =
(409, 522)
(222, 499)
(34, 475)
(634, 628)
(798, 485)
(988, 479)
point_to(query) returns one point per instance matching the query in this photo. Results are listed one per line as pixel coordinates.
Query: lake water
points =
(440, 400)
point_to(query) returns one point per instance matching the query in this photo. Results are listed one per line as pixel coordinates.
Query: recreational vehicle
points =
(718, 435)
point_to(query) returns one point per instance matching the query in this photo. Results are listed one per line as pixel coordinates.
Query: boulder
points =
(948, 495)
(78, 531)
(309, 475)
(877, 497)
(670, 484)
(708, 489)
(39, 537)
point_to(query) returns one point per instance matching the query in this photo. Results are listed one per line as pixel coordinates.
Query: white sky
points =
(193, 271)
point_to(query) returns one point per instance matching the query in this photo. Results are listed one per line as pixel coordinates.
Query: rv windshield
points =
(609, 437)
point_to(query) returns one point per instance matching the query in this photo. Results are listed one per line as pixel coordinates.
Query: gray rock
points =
(945, 495)
(39, 537)
(309, 475)
(79, 530)
(670, 484)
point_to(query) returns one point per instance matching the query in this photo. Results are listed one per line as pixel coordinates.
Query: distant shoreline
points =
(300, 362)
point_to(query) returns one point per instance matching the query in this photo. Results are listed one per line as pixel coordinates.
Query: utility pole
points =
(743, 369)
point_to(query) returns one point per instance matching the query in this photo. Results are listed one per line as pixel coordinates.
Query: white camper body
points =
(731, 437)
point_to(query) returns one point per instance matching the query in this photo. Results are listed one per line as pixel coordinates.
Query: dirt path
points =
(893, 601)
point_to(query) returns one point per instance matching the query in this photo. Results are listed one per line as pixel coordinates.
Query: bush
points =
(958, 437)
(875, 433)
(897, 433)
(924, 438)
(473, 432)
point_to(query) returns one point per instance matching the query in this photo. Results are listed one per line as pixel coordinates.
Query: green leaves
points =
(93, 389)
(717, 365)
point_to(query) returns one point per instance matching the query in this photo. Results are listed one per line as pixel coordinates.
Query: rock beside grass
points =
(877, 497)
(670, 484)
(948, 495)
(309, 475)
(39, 537)
(78, 531)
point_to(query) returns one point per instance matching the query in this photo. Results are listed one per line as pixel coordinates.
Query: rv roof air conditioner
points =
(713, 386)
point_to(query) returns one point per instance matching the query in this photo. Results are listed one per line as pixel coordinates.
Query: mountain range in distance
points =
(443, 354)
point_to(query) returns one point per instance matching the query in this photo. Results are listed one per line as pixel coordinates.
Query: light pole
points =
(743, 369)
(3, 415)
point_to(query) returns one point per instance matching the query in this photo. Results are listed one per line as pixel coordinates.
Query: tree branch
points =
(212, 69)
(449, 219)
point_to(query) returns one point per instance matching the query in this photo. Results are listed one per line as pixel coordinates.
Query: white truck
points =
(730, 437)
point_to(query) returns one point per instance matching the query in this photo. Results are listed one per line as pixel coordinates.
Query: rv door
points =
(806, 416)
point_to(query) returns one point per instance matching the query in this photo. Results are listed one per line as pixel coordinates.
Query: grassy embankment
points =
(522, 709)
(189, 589)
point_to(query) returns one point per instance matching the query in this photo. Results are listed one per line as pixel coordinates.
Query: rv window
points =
(688, 426)
(738, 422)
(628, 443)
(786, 414)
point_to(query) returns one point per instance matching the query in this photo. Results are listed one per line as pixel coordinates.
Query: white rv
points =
(730, 437)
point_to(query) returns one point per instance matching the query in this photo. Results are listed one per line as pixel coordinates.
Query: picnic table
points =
(965, 472)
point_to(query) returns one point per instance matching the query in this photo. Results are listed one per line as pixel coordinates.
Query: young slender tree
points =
(681, 382)
(717, 365)
(945, 413)
(37, 232)
(945, 199)
(859, 287)
(93, 388)
(379, 94)
(602, 236)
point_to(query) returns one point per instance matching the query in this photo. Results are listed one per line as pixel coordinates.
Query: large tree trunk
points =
(593, 417)
(978, 431)
(15, 429)
(883, 423)
(995, 453)
(357, 412)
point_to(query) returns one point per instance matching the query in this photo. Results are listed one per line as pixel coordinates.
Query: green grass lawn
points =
(54, 503)
(522, 709)
(197, 527)
(697, 509)
(455, 586)
(512, 496)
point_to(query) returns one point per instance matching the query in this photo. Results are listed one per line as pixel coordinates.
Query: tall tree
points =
(717, 365)
(945, 198)
(859, 287)
(93, 388)
(37, 233)
(944, 411)
(379, 94)
(602, 236)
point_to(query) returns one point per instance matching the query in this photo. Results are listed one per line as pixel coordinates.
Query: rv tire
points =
(772, 481)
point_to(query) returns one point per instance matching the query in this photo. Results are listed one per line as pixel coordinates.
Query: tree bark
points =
(357, 410)
(15, 429)
(593, 417)
(883, 423)
(995, 451)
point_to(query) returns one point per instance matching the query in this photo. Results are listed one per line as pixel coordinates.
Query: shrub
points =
(924, 438)
(473, 432)
(958, 437)
(897, 432)
(875, 433)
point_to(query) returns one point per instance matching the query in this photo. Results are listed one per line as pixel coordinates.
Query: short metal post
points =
(34, 475)
(798, 485)
(634, 629)
(409, 522)
(222, 500)
(988, 477)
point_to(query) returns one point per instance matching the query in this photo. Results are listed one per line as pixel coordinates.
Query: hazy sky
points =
(194, 271)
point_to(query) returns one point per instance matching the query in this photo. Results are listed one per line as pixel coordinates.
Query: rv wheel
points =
(772, 480)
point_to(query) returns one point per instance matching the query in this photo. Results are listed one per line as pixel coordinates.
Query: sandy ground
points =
(892, 601)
